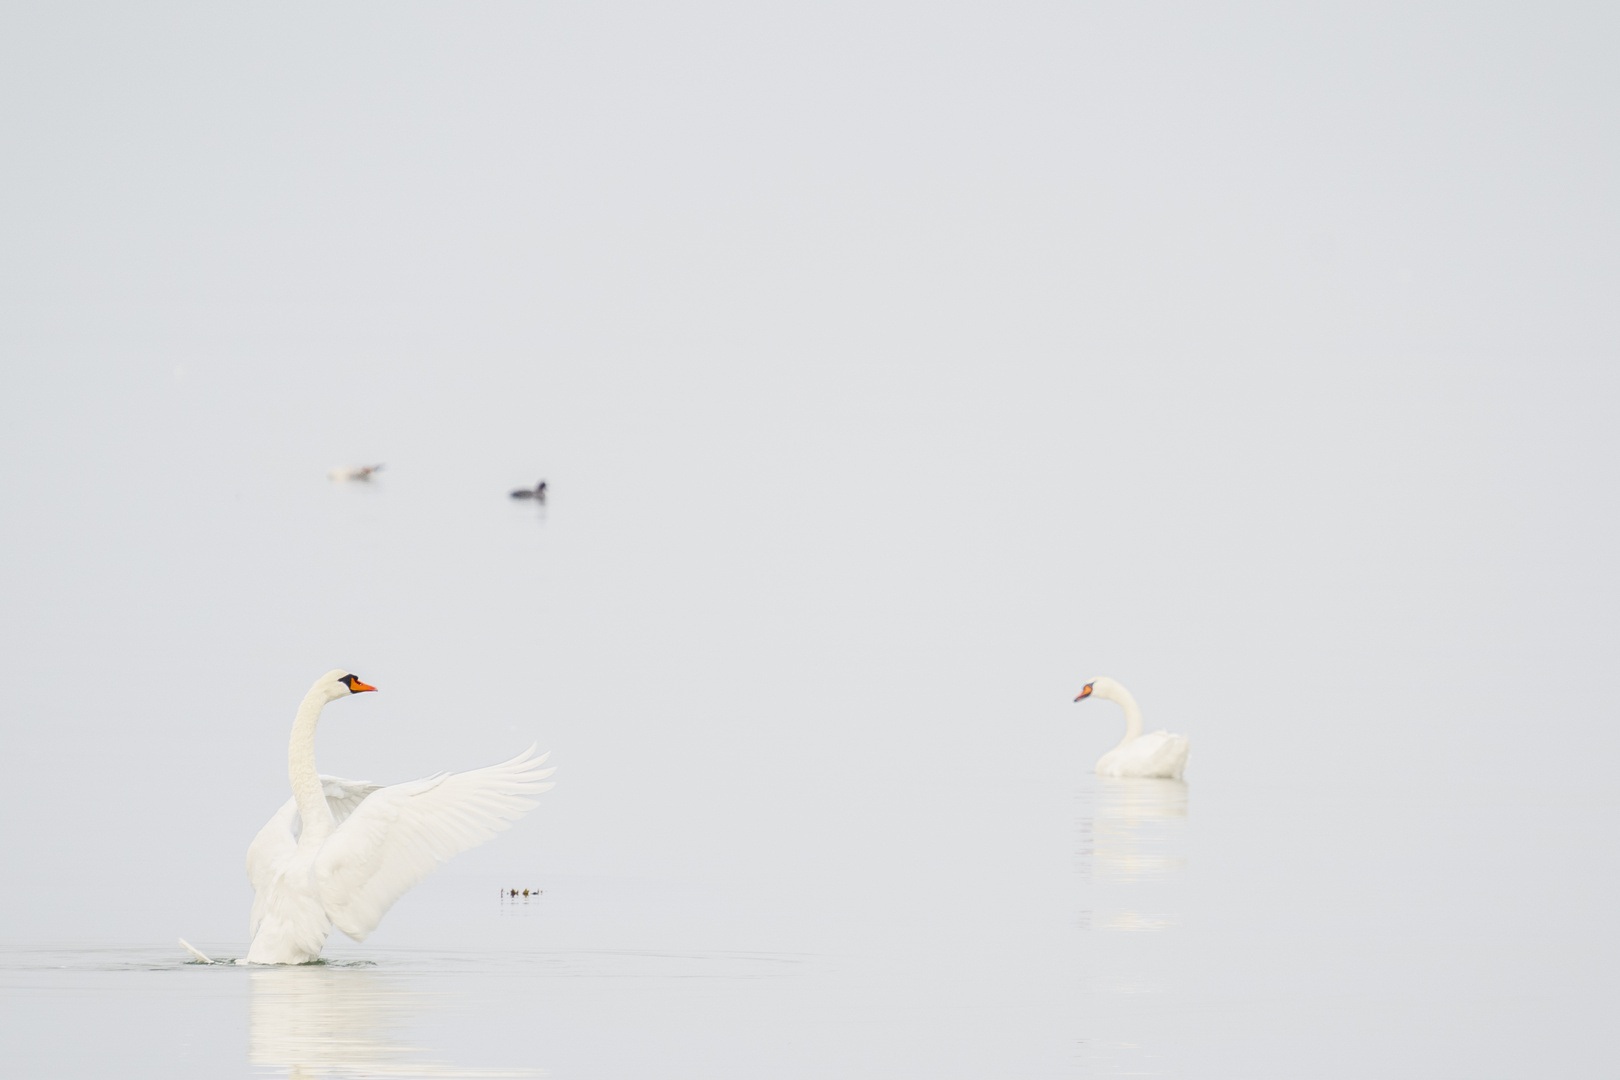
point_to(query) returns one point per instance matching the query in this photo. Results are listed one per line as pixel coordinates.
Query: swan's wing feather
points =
(344, 795)
(1150, 744)
(397, 835)
(270, 850)
(1166, 755)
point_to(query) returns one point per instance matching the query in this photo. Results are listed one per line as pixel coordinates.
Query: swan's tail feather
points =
(196, 953)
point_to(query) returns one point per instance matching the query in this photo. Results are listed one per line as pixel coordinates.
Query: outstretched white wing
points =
(342, 796)
(278, 839)
(397, 835)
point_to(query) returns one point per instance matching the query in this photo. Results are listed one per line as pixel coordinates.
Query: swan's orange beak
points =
(359, 687)
(1084, 693)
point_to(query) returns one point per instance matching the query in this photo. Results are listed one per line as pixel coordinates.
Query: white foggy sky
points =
(895, 368)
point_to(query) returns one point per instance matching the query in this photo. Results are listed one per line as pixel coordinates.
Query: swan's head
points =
(1102, 687)
(338, 683)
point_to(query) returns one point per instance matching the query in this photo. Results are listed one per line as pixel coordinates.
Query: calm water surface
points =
(1181, 933)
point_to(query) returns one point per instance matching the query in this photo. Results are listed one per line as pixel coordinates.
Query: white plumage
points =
(1156, 754)
(341, 852)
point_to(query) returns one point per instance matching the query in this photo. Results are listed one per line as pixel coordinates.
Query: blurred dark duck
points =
(538, 494)
(352, 472)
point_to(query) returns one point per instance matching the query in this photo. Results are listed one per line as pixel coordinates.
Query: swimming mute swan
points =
(340, 852)
(1159, 754)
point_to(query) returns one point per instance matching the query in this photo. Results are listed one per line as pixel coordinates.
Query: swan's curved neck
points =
(306, 782)
(1133, 713)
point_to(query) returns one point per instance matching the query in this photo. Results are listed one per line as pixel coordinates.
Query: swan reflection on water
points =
(1132, 833)
(320, 1020)
(1132, 865)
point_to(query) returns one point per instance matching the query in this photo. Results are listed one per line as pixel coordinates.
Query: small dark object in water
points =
(538, 494)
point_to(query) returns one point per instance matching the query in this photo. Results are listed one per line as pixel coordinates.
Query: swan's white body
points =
(1156, 754)
(340, 852)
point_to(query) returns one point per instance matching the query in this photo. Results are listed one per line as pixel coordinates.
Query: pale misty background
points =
(896, 369)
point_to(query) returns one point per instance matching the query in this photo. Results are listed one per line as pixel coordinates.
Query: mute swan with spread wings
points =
(340, 852)
(1158, 754)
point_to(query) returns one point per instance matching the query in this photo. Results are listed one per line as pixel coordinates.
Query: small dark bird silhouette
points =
(538, 494)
